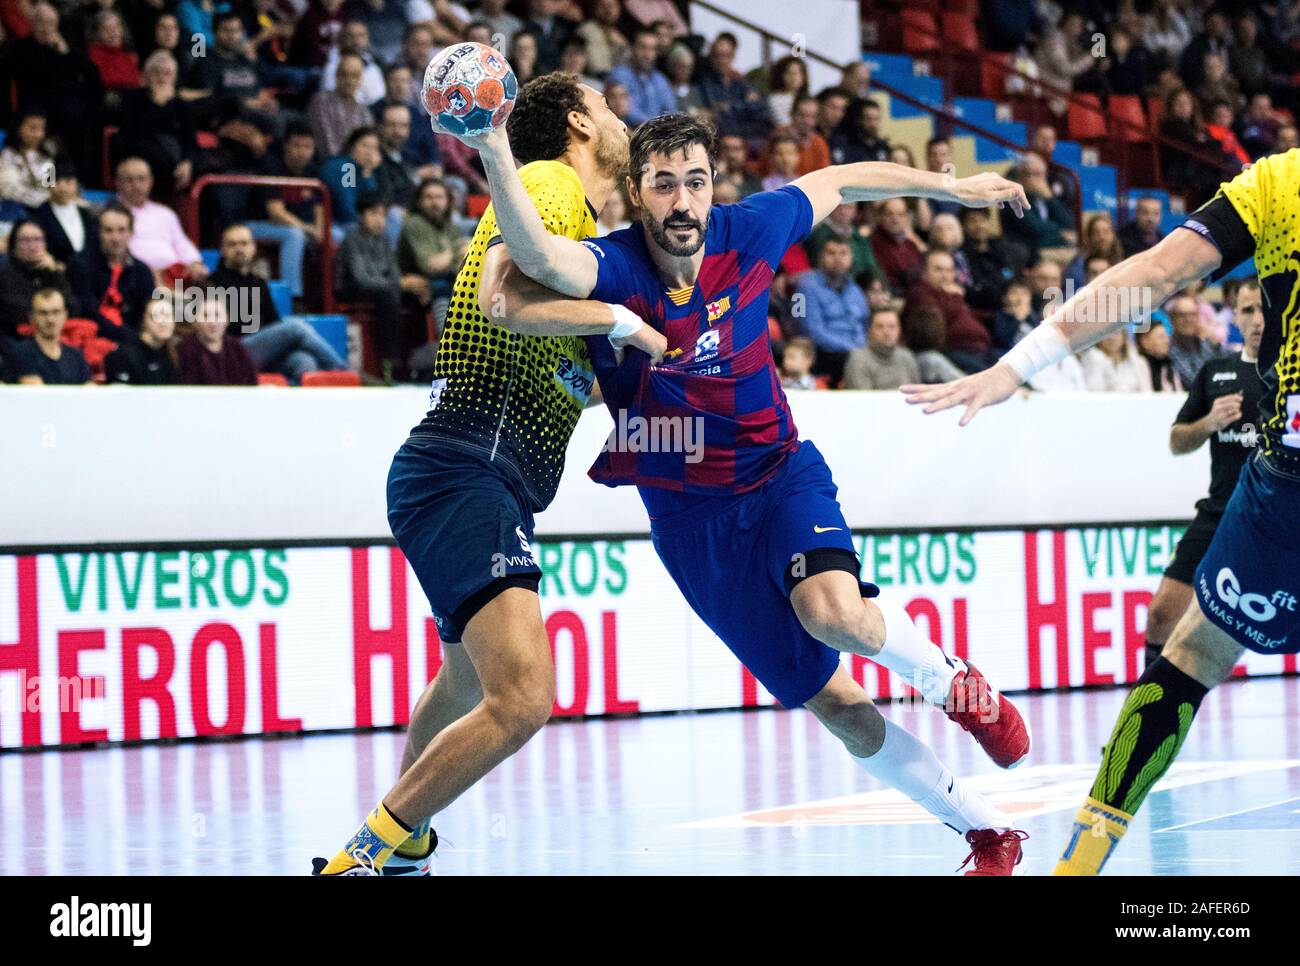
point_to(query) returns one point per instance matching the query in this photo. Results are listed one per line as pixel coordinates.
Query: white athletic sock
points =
(913, 656)
(903, 762)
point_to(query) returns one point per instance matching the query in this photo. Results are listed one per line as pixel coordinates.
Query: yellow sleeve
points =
(1251, 194)
(557, 192)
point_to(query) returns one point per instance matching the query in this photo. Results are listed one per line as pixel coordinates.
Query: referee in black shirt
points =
(1223, 407)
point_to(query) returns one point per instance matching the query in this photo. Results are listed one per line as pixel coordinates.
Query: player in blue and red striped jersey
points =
(743, 513)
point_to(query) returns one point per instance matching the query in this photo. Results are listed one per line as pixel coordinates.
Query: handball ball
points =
(469, 88)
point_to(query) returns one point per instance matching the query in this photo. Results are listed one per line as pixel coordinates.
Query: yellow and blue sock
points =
(377, 838)
(417, 845)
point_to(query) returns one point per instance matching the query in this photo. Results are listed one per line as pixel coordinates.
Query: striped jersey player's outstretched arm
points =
(828, 188)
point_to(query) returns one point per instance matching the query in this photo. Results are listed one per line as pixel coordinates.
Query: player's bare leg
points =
(831, 608)
(894, 756)
(1167, 607)
(451, 695)
(1151, 729)
(507, 644)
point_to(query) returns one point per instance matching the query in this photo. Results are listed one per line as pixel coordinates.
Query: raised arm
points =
(557, 262)
(831, 187)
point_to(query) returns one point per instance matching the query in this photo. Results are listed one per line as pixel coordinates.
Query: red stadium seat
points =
(920, 32)
(959, 32)
(970, 8)
(475, 205)
(1127, 108)
(271, 379)
(332, 377)
(1084, 120)
(96, 350)
(993, 75)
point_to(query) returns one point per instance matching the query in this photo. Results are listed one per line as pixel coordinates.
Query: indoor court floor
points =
(753, 793)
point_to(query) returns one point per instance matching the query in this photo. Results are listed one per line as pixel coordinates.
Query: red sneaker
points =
(994, 852)
(991, 719)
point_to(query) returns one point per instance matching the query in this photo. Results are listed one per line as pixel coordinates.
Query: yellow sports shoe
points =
(1097, 830)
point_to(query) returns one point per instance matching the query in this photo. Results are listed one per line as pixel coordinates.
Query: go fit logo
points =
(100, 920)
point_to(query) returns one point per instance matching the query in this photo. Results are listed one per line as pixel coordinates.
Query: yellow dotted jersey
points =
(1266, 202)
(514, 398)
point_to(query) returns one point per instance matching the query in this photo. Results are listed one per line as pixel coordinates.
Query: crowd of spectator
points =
(880, 294)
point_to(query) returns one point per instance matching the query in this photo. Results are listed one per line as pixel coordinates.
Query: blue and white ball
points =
(469, 88)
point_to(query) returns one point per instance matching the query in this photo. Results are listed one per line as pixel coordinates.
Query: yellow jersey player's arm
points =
(828, 188)
(510, 299)
(558, 263)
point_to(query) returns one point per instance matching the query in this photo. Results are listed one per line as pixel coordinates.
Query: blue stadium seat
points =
(928, 90)
(281, 297)
(1099, 186)
(333, 329)
(888, 67)
(97, 197)
(211, 258)
(990, 152)
(1069, 153)
(977, 110)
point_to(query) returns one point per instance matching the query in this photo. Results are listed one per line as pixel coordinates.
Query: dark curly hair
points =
(669, 134)
(539, 124)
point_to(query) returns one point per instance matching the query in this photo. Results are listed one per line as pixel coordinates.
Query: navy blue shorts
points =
(463, 525)
(736, 559)
(1249, 580)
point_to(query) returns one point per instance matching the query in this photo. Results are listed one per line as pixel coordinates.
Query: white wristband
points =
(625, 322)
(1043, 347)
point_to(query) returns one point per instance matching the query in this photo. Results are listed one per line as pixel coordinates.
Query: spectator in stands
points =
(945, 236)
(1016, 318)
(167, 38)
(1065, 376)
(606, 45)
(336, 114)
(835, 311)
(26, 165)
(546, 22)
(789, 81)
(229, 74)
(503, 24)
(291, 217)
(1099, 241)
(797, 361)
(523, 57)
(109, 284)
(355, 39)
(1168, 31)
(613, 217)
(48, 75)
(782, 160)
(1143, 231)
(367, 271)
(650, 92)
(1188, 349)
(1064, 188)
(1288, 138)
(899, 252)
(1195, 174)
(856, 79)
(967, 341)
(421, 148)
(1220, 126)
(210, 355)
(1258, 128)
(1047, 223)
(920, 207)
(317, 33)
(158, 239)
(351, 174)
(858, 136)
(396, 177)
(736, 106)
(619, 102)
(43, 360)
(832, 107)
(30, 268)
(681, 77)
(146, 361)
(1062, 59)
(289, 346)
(417, 50)
(197, 19)
(1009, 24)
(1218, 84)
(574, 60)
(65, 218)
(923, 329)
(1045, 278)
(882, 363)
(156, 125)
(431, 248)
(1153, 347)
(733, 160)
(993, 260)
(384, 21)
(1214, 38)
(938, 159)
(648, 12)
(1114, 365)
(814, 152)
(118, 65)
(1127, 65)
(843, 224)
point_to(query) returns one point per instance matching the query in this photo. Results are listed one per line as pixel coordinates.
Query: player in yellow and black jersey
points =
(1246, 588)
(463, 489)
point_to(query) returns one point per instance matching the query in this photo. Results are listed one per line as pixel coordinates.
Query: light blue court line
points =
(1243, 811)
